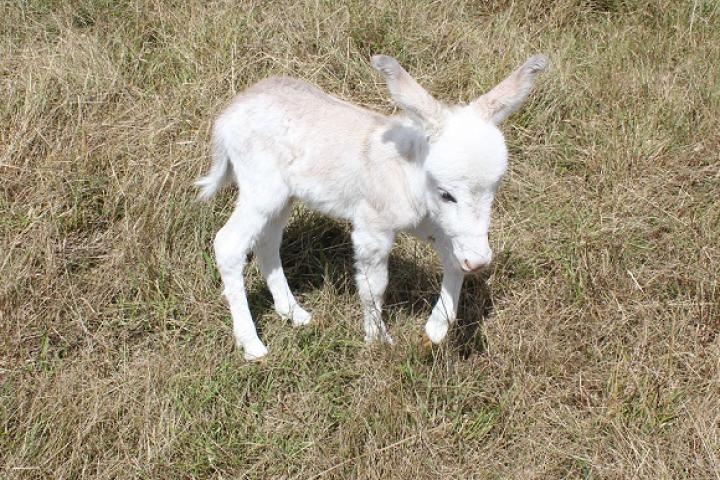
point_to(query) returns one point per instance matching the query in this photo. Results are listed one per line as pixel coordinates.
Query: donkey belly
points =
(330, 196)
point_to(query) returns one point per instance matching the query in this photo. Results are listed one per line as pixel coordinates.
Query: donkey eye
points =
(447, 196)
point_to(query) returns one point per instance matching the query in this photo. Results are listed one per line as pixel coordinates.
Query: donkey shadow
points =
(317, 250)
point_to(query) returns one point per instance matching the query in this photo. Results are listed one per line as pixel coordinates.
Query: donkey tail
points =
(220, 173)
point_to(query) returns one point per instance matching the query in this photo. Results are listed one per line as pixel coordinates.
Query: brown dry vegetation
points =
(589, 350)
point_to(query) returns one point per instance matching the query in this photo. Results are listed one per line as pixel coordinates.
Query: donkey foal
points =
(432, 172)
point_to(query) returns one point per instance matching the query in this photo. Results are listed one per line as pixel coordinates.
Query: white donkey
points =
(433, 172)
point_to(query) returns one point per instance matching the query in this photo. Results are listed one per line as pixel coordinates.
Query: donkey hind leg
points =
(232, 244)
(267, 252)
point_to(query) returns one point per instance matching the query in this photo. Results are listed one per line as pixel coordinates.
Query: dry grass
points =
(597, 353)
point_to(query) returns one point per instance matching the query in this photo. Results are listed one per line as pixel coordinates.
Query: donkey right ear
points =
(508, 95)
(409, 95)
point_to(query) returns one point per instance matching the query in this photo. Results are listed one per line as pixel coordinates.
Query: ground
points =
(589, 349)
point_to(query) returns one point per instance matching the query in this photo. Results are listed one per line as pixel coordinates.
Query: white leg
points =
(232, 245)
(372, 250)
(445, 311)
(267, 251)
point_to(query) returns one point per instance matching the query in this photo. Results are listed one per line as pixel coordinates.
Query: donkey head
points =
(467, 157)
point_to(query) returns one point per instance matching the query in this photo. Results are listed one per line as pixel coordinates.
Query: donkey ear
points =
(409, 95)
(509, 94)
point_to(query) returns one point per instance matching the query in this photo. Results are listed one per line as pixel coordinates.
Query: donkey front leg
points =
(372, 249)
(445, 311)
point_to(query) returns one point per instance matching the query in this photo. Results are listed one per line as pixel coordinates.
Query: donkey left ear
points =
(509, 94)
(409, 95)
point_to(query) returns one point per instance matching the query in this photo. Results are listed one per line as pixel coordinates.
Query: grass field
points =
(589, 350)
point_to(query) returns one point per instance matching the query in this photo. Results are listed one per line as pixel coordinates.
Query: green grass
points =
(589, 350)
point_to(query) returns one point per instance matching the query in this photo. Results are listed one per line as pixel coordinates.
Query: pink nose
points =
(475, 264)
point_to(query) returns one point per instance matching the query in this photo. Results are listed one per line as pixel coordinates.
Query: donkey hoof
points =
(435, 331)
(425, 344)
(255, 352)
(380, 337)
(300, 317)
(255, 357)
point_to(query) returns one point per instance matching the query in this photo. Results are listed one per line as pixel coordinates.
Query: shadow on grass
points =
(317, 251)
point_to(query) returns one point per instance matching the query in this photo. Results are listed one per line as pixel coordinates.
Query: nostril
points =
(473, 266)
(470, 267)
